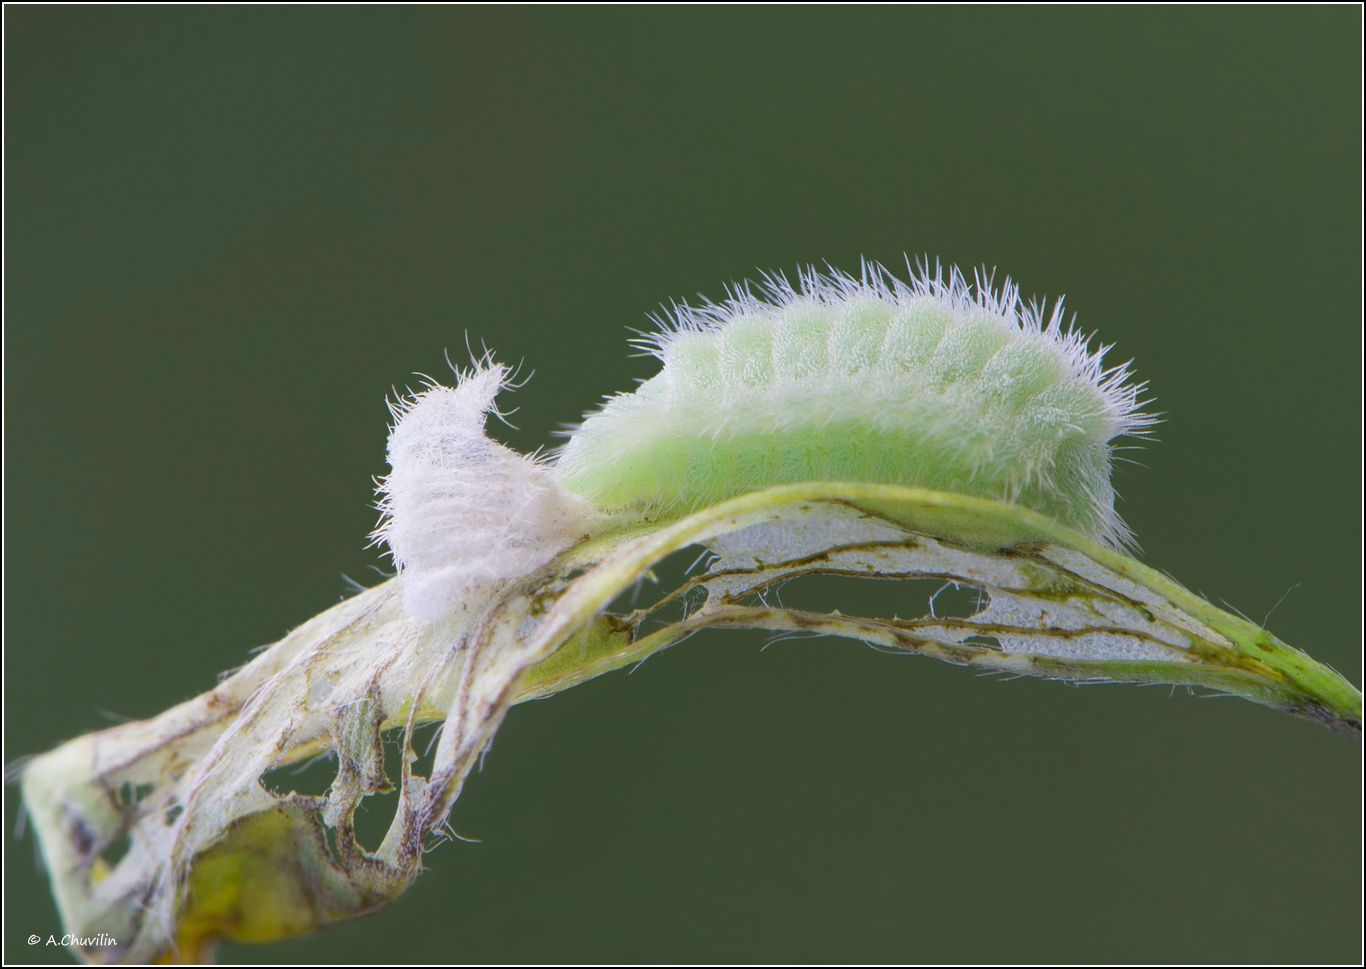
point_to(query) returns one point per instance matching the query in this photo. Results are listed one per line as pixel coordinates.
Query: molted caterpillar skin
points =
(460, 511)
(936, 383)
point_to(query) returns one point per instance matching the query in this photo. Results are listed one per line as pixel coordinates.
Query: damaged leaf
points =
(165, 836)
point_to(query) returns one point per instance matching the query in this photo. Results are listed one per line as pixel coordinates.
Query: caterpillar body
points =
(934, 382)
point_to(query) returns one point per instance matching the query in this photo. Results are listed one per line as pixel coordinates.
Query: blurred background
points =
(230, 231)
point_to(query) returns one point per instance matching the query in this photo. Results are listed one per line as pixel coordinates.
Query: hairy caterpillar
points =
(934, 382)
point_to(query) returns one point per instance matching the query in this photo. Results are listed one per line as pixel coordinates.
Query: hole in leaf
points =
(311, 777)
(130, 793)
(875, 596)
(663, 578)
(375, 813)
(116, 851)
(987, 642)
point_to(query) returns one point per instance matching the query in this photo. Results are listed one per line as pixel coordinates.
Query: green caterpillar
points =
(934, 382)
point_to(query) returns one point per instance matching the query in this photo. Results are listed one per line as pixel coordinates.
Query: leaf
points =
(212, 852)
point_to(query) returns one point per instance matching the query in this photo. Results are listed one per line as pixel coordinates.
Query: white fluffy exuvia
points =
(459, 511)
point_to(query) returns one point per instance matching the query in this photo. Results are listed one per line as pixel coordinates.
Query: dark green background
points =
(230, 231)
